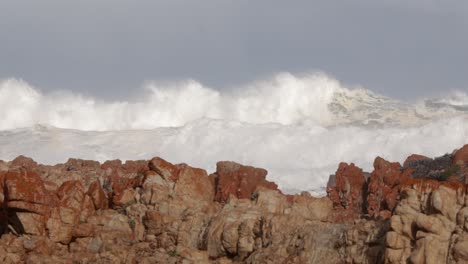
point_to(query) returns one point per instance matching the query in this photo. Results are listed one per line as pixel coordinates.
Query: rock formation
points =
(158, 212)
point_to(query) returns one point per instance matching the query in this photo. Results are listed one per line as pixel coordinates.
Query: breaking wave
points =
(285, 99)
(298, 127)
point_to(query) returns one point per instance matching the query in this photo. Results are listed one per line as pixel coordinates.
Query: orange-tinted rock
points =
(124, 198)
(22, 161)
(26, 191)
(166, 169)
(71, 194)
(83, 230)
(112, 164)
(81, 165)
(38, 245)
(241, 181)
(27, 200)
(30, 223)
(347, 189)
(414, 157)
(154, 222)
(422, 184)
(50, 186)
(98, 196)
(383, 186)
(87, 208)
(4, 166)
(129, 167)
(194, 184)
(461, 156)
(118, 184)
(67, 214)
(135, 166)
(2, 194)
(3, 213)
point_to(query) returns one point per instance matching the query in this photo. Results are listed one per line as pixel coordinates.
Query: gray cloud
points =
(109, 48)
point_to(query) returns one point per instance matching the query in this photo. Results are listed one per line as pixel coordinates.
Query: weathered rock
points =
(29, 223)
(193, 184)
(112, 166)
(165, 169)
(87, 209)
(414, 158)
(165, 213)
(348, 189)
(83, 230)
(461, 156)
(110, 221)
(430, 168)
(98, 196)
(28, 201)
(365, 241)
(66, 215)
(424, 223)
(24, 162)
(241, 181)
(156, 189)
(81, 165)
(25, 191)
(124, 198)
(383, 187)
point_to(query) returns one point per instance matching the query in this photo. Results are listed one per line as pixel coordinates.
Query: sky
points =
(110, 48)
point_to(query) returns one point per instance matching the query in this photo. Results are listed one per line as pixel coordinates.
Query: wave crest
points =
(285, 99)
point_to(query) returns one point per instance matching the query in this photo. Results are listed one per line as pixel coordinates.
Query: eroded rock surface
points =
(158, 212)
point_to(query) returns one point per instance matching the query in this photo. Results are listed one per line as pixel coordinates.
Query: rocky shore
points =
(158, 212)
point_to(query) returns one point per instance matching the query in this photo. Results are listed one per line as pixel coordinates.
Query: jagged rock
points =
(241, 181)
(29, 223)
(193, 184)
(383, 187)
(157, 212)
(438, 168)
(165, 169)
(98, 196)
(80, 165)
(25, 191)
(365, 241)
(24, 162)
(461, 156)
(414, 158)
(347, 189)
(424, 222)
(124, 198)
(66, 215)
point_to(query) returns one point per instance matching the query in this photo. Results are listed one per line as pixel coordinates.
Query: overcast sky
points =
(109, 48)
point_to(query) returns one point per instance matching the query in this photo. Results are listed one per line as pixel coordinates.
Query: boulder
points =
(414, 157)
(193, 184)
(66, 215)
(461, 156)
(241, 181)
(25, 191)
(98, 196)
(164, 168)
(383, 187)
(347, 190)
(25, 162)
(124, 198)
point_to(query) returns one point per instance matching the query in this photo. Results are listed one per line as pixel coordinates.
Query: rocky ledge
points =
(157, 212)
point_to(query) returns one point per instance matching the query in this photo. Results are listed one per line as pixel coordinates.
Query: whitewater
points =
(298, 127)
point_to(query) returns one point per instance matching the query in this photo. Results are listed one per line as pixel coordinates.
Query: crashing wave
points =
(298, 128)
(285, 99)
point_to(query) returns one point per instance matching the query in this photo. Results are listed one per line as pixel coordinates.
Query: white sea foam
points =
(299, 128)
(284, 99)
